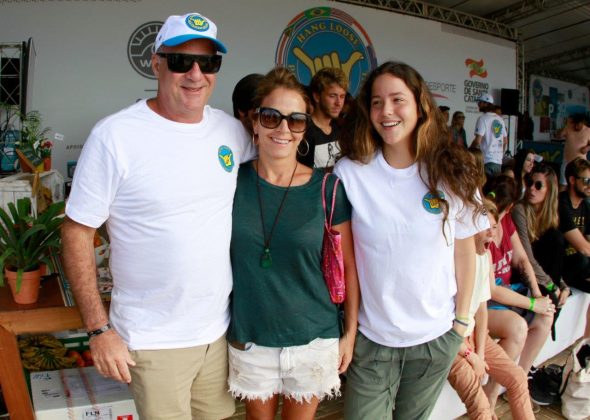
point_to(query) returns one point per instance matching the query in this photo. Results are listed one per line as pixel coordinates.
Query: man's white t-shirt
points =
(492, 129)
(405, 263)
(166, 191)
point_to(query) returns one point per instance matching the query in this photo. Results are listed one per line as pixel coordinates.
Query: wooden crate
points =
(21, 185)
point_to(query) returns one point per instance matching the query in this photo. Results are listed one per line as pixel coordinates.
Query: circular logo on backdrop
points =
(197, 22)
(141, 46)
(326, 37)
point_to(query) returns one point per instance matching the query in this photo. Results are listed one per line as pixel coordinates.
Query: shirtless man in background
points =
(577, 143)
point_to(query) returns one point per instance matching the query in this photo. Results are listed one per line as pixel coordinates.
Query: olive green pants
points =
(406, 381)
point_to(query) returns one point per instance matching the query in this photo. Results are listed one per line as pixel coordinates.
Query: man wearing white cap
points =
(490, 135)
(161, 174)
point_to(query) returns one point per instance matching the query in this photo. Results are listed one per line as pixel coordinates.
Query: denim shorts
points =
(297, 372)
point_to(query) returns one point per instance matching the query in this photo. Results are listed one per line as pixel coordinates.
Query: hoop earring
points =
(307, 151)
(254, 139)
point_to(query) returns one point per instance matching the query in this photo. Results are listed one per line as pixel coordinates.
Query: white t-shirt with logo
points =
(405, 263)
(492, 129)
(166, 191)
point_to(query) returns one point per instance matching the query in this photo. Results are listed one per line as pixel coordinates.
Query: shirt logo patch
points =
(497, 128)
(226, 158)
(431, 203)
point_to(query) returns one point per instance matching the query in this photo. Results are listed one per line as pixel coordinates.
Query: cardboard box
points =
(20, 186)
(80, 394)
(73, 339)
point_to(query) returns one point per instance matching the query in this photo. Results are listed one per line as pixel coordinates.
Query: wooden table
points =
(46, 316)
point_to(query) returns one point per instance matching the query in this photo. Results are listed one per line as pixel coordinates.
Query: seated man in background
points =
(577, 143)
(574, 223)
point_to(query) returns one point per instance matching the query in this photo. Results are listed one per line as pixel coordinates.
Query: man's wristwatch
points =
(99, 331)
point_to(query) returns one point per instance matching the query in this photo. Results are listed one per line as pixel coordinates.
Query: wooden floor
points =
(332, 409)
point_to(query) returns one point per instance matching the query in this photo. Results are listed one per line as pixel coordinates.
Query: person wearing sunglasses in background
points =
(574, 223)
(536, 218)
(162, 175)
(456, 131)
(284, 337)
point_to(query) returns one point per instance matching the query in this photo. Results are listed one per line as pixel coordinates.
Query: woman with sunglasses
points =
(284, 334)
(413, 200)
(536, 218)
(456, 131)
(518, 314)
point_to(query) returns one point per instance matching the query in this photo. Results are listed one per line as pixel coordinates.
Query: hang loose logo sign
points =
(326, 37)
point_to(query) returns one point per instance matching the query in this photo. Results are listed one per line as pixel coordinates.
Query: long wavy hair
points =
(519, 161)
(548, 215)
(439, 162)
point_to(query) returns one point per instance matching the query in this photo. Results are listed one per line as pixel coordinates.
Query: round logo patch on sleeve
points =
(226, 158)
(431, 203)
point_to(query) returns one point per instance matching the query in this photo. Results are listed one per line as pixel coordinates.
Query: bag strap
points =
(328, 221)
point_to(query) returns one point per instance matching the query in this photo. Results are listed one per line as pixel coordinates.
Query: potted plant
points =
(32, 137)
(25, 243)
(45, 152)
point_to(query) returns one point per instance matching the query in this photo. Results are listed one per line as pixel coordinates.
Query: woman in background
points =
(523, 164)
(536, 219)
(456, 130)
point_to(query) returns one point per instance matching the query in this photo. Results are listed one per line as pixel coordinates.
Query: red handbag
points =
(332, 259)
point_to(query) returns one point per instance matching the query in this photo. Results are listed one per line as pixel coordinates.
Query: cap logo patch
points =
(197, 22)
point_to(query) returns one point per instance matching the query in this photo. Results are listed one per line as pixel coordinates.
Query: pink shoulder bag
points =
(332, 260)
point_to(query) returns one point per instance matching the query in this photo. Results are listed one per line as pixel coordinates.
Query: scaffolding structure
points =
(11, 73)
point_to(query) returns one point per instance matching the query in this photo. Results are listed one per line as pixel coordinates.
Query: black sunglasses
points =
(182, 63)
(585, 181)
(271, 118)
(537, 184)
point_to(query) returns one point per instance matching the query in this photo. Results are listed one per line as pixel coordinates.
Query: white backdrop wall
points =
(82, 72)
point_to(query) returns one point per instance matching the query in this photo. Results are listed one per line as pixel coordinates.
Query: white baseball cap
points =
(179, 29)
(486, 97)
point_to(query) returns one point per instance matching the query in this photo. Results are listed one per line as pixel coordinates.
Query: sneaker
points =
(544, 385)
(540, 395)
(535, 407)
(532, 372)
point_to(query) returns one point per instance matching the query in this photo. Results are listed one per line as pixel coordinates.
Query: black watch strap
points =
(99, 331)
